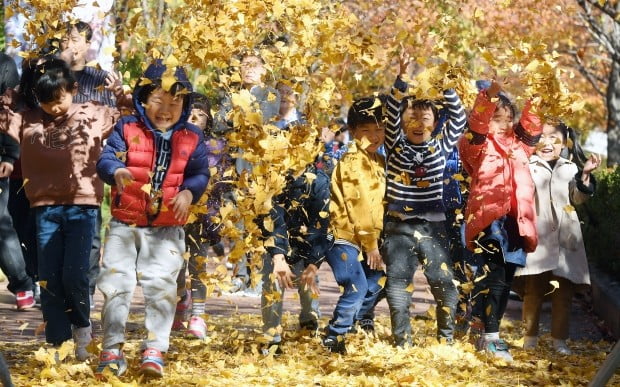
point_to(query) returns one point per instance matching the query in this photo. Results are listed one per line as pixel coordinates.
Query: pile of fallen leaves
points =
(231, 355)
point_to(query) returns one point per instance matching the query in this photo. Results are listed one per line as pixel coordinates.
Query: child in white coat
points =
(559, 262)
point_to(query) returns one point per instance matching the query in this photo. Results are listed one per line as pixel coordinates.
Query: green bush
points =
(601, 223)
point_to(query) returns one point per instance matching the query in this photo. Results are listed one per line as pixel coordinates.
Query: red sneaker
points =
(152, 363)
(25, 300)
(181, 314)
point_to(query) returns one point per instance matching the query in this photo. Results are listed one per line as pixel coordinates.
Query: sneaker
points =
(25, 300)
(496, 348)
(367, 325)
(561, 347)
(197, 328)
(152, 363)
(275, 348)
(82, 336)
(180, 315)
(238, 285)
(114, 359)
(335, 344)
(530, 342)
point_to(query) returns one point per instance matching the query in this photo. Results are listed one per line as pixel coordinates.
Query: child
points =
(157, 165)
(11, 258)
(356, 218)
(560, 255)
(252, 72)
(61, 142)
(500, 224)
(415, 224)
(202, 233)
(297, 246)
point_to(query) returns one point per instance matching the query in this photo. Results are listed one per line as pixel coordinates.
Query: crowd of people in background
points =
(483, 198)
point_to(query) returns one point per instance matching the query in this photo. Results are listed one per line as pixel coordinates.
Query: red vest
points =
(132, 206)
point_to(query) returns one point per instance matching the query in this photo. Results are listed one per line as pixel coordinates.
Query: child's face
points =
(502, 122)
(551, 143)
(163, 109)
(252, 70)
(418, 124)
(288, 100)
(77, 43)
(199, 118)
(60, 106)
(374, 133)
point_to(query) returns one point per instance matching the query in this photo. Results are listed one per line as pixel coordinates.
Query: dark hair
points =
(176, 89)
(571, 139)
(411, 102)
(9, 78)
(367, 110)
(51, 79)
(503, 102)
(83, 28)
(200, 101)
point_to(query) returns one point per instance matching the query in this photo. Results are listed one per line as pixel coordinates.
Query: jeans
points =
(197, 263)
(95, 255)
(407, 243)
(64, 239)
(11, 258)
(25, 225)
(271, 306)
(350, 273)
(374, 294)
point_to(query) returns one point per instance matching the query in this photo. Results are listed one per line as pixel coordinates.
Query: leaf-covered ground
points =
(230, 355)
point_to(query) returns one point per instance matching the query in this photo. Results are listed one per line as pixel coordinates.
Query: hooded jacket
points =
(501, 182)
(135, 145)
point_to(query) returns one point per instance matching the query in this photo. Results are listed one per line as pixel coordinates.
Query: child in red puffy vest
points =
(156, 163)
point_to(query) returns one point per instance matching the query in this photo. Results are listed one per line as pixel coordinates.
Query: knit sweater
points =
(415, 172)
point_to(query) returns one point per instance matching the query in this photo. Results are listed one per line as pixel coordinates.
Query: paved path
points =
(19, 326)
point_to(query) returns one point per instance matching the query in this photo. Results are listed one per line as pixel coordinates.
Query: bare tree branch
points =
(609, 11)
(608, 42)
(594, 80)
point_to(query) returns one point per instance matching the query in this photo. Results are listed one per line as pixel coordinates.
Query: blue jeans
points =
(350, 273)
(406, 244)
(64, 240)
(11, 259)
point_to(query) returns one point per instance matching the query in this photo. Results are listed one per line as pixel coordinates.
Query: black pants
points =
(25, 226)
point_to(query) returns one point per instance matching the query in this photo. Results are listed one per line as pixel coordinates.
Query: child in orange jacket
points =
(500, 221)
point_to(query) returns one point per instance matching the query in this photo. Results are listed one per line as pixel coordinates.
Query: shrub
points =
(601, 223)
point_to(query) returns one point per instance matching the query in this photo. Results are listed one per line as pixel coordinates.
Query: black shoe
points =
(335, 344)
(311, 325)
(367, 325)
(268, 348)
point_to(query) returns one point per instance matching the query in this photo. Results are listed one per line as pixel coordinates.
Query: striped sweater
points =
(415, 173)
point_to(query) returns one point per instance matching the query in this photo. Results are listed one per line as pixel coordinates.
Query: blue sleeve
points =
(113, 155)
(280, 231)
(318, 227)
(196, 174)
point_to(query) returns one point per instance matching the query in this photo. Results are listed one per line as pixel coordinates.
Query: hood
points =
(155, 72)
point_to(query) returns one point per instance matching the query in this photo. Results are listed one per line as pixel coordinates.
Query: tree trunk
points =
(613, 115)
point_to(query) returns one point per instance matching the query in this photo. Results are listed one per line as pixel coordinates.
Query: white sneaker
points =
(530, 342)
(82, 338)
(197, 328)
(561, 347)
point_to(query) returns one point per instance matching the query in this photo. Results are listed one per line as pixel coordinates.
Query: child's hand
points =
(593, 162)
(375, 262)
(5, 169)
(180, 204)
(403, 63)
(283, 272)
(114, 84)
(122, 178)
(494, 89)
(307, 279)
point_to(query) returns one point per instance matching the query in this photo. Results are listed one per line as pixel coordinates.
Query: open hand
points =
(374, 260)
(114, 84)
(283, 272)
(180, 204)
(307, 279)
(122, 178)
(403, 63)
(494, 89)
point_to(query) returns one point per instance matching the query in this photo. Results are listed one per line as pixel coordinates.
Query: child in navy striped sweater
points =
(415, 230)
